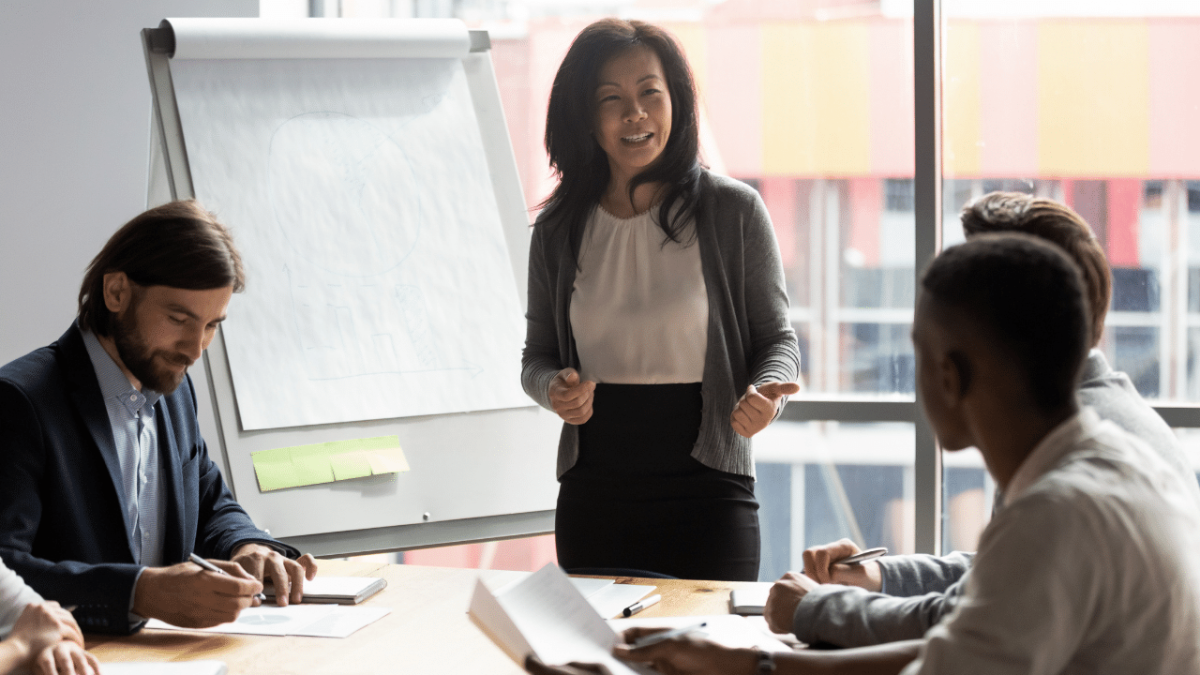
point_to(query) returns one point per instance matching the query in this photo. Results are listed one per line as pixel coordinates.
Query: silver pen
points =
(213, 568)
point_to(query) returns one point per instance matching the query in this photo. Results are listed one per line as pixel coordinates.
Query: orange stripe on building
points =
(961, 139)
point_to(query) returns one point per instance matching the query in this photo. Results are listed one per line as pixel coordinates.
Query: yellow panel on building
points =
(816, 105)
(960, 100)
(1093, 98)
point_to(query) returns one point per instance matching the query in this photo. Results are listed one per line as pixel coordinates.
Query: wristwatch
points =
(766, 664)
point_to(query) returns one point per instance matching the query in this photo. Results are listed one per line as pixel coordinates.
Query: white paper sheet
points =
(546, 615)
(335, 621)
(729, 630)
(612, 600)
(379, 282)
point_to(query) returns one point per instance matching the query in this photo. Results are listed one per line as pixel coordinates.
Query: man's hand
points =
(821, 564)
(41, 626)
(783, 599)
(687, 656)
(188, 596)
(288, 576)
(757, 407)
(65, 658)
(570, 398)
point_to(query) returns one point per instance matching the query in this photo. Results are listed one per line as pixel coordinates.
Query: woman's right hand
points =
(41, 626)
(570, 398)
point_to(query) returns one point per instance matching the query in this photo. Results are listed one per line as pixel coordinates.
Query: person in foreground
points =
(1089, 566)
(106, 485)
(901, 597)
(658, 323)
(38, 636)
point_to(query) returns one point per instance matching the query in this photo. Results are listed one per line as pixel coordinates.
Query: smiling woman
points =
(657, 326)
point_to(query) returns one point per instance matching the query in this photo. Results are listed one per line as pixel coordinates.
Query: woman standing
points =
(656, 305)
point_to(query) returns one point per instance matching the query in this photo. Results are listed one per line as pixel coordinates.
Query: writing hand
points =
(288, 576)
(686, 656)
(188, 596)
(821, 564)
(758, 406)
(570, 398)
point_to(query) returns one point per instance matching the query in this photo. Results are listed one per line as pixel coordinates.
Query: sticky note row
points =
(318, 463)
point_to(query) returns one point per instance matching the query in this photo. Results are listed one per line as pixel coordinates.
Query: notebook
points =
(750, 600)
(337, 590)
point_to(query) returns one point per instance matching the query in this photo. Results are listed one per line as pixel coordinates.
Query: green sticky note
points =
(299, 465)
(275, 475)
(349, 465)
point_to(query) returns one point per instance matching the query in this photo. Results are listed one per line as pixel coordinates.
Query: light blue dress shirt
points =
(133, 419)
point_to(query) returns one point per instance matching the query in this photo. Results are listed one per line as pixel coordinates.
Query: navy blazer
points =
(61, 506)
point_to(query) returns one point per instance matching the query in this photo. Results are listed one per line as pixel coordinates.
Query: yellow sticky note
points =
(350, 465)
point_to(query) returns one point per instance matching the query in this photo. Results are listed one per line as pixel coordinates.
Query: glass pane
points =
(821, 481)
(1059, 100)
(968, 495)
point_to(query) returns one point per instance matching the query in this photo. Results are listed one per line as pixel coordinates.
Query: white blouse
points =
(14, 596)
(639, 308)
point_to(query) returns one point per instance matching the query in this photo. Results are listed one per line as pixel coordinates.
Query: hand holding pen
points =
(842, 563)
(261, 598)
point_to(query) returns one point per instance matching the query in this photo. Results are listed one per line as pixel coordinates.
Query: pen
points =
(213, 568)
(640, 605)
(666, 635)
(863, 556)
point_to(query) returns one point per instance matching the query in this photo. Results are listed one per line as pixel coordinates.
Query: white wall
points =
(74, 140)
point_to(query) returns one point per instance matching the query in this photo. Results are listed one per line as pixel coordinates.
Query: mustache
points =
(178, 360)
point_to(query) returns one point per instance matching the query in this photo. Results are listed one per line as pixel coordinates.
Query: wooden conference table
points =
(428, 630)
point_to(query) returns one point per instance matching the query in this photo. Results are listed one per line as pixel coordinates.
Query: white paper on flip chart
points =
(379, 283)
(335, 621)
(165, 668)
(547, 616)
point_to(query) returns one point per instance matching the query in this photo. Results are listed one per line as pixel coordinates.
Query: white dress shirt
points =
(15, 595)
(1091, 566)
(639, 308)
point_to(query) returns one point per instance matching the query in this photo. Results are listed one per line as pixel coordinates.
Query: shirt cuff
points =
(135, 621)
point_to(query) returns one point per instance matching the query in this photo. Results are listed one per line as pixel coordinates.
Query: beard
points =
(139, 358)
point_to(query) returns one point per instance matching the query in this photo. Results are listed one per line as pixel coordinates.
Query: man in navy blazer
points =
(106, 485)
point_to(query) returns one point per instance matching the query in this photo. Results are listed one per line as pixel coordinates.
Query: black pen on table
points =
(213, 568)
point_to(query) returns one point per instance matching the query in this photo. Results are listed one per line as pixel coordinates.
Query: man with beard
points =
(106, 485)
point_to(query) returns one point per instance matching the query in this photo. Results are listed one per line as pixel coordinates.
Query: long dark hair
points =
(580, 162)
(177, 244)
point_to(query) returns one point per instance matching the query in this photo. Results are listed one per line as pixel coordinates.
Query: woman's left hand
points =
(758, 406)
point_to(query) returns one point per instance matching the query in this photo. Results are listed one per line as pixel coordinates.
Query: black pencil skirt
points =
(636, 499)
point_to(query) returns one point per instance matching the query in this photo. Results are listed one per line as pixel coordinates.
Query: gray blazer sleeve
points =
(906, 575)
(847, 616)
(540, 361)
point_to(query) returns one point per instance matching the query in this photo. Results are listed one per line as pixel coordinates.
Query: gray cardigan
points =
(750, 339)
(922, 589)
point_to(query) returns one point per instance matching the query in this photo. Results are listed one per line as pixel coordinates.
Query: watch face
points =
(766, 663)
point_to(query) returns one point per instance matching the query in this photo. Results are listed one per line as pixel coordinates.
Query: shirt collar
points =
(113, 383)
(1095, 366)
(1048, 453)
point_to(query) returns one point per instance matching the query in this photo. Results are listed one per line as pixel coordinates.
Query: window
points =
(814, 103)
